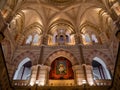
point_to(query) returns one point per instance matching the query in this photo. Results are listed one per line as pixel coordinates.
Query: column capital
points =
(76, 67)
(44, 67)
(88, 66)
(44, 39)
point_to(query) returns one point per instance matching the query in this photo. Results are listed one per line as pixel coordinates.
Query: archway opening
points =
(100, 70)
(23, 71)
(61, 69)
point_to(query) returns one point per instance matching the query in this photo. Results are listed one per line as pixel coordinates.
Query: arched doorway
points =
(100, 70)
(61, 69)
(24, 70)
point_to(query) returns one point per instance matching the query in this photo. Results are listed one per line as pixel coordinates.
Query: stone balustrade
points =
(20, 83)
(61, 83)
(103, 82)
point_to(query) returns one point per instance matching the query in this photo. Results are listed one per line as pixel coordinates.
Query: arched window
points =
(61, 38)
(94, 39)
(33, 39)
(90, 38)
(100, 70)
(86, 37)
(24, 70)
(36, 39)
(67, 38)
(29, 39)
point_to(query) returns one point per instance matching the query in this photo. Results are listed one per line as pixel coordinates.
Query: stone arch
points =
(89, 24)
(95, 53)
(23, 55)
(61, 53)
(34, 26)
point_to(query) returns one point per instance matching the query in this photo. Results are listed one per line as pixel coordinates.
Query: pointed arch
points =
(23, 55)
(61, 53)
(36, 26)
(95, 53)
(31, 10)
(91, 25)
(61, 22)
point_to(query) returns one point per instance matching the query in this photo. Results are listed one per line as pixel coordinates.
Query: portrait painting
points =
(61, 67)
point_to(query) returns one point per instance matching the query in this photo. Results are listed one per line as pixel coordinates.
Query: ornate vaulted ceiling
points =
(49, 15)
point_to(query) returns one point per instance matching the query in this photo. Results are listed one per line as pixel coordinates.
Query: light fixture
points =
(37, 81)
(83, 81)
(91, 83)
(31, 83)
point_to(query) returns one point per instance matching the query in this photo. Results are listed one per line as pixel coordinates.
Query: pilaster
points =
(42, 75)
(77, 39)
(78, 74)
(33, 75)
(89, 74)
(103, 37)
(45, 39)
(20, 39)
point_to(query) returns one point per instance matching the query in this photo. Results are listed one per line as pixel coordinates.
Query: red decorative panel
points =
(61, 68)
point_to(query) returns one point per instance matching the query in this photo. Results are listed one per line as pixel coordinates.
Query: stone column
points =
(33, 75)
(103, 37)
(44, 40)
(42, 77)
(78, 74)
(78, 39)
(89, 73)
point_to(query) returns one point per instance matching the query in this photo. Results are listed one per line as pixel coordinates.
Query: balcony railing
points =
(26, 83)
(103, 82)
(20, 83)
